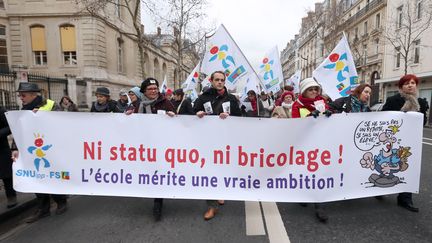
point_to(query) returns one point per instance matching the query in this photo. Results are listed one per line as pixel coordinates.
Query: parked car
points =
(377, 107)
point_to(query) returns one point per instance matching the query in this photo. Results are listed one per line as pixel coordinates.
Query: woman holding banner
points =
(311, 103)
(407, 100)
(153, 102)
(356, 102)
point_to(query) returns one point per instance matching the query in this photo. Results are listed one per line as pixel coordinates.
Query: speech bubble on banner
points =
(367, 132)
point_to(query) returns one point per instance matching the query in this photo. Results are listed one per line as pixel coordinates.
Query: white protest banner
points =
(314, 160)
(223, 54)
(294, 81)
(337, 73)
(271, 71)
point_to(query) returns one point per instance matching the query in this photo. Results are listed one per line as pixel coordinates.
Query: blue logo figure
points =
(39, 152)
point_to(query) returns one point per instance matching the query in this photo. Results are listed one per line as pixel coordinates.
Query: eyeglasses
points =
(312, 89)
(22, 95)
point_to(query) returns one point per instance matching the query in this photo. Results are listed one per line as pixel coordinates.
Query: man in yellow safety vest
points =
(32, 100)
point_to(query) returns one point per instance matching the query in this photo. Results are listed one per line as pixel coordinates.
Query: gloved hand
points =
(327, 113)
(315, 113)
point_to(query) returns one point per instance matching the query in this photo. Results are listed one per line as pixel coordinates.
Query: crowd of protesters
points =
(214, 100)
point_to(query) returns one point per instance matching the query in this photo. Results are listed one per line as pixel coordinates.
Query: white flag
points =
(294, 81)
(337, 74)
(223, 54)
(163, 88)
(252, 83)
(271, 71)
(192, 80)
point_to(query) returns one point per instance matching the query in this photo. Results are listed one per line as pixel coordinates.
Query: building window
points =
(365, 28)
(4, 66)
(419, 9)
(356, 33)
(118, 8)
(68, 44)
(417, 51)
(376, 46)
(120, 53)
(364, 54)
(2, 4)
(398, 57)
(399, 17)
(378, 21)
(38, 45)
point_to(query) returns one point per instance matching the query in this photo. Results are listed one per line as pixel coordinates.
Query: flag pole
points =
(235, 43)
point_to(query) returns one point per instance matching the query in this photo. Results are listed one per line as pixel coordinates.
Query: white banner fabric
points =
(302, 160)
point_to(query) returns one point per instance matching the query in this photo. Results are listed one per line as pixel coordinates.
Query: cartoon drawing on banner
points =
(231, 71)
(385, 154)
(39, 151)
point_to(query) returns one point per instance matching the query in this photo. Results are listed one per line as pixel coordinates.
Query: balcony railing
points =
(364, 11)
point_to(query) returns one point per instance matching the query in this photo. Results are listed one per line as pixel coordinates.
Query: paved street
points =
(113, 219)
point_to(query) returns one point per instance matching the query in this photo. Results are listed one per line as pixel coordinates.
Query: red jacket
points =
(306, 103)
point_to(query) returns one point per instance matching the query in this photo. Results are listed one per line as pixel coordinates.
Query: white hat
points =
(307, 83)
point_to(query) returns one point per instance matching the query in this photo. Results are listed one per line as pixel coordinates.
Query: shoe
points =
(321, 215)
(221, 202)
(211, 212)
(11, 202)
(39, 214)
(408, 206)
(61, 208)
(157, 211)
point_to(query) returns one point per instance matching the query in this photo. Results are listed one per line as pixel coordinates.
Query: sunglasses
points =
(312, 89)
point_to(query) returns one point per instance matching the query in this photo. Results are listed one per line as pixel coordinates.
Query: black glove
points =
(315, 113)
(327, 113)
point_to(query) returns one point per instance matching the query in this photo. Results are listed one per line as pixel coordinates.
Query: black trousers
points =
(44, 200)
(405, 197)
(8, 184)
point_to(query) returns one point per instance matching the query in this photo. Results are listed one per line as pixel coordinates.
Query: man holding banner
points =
(28, 93)
(216, 101)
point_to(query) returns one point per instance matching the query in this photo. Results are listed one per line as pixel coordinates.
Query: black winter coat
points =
(112, 107)
(395, 103)
(216, 100)
(343, 104)
(185, 107)
(5, 152)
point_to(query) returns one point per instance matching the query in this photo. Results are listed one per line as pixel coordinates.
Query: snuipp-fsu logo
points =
(40, 150)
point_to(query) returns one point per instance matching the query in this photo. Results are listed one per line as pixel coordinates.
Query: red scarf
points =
(308, 103)
(254, 105)
(221, 92)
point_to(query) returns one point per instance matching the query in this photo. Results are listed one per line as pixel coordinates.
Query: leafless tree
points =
(406, 28)
(186, 18)
(108, 11)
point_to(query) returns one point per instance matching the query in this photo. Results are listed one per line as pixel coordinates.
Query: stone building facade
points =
(55, 38)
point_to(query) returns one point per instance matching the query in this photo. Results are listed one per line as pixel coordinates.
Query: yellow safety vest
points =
(48, 106)
(304, 112)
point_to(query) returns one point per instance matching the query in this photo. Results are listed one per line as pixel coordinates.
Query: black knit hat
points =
(147, 82)
(178, 92)
(103, 91)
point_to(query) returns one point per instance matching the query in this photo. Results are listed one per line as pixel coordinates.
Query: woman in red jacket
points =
(311, 103)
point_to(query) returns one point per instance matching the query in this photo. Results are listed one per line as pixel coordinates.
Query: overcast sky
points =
(256, 25)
